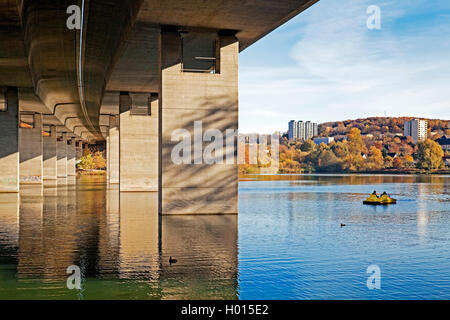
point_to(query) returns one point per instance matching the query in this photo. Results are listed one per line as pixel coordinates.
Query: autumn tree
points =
(356, 146)
(356, 142)
(397, 163)
(375, 161)
(429, 155)
(388, 162)
(98, 161)
(408, 161)
(86, 161)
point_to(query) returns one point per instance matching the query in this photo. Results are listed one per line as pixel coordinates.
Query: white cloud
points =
(342, 70)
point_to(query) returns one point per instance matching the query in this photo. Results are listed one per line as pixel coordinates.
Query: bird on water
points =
(172, 260)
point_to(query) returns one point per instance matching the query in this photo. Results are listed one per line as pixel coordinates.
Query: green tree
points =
(327, 161)
(429, 155)
(308, 146)
(340, 149)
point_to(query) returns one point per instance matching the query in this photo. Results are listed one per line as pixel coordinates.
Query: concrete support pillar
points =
(79, 150)
(61, 153)
(108, 165)
(31, 150)
(210, 100)
(113, 150)
(50, 159)
(84, 147)
(9, 141)
(138, 142)
(71, 153)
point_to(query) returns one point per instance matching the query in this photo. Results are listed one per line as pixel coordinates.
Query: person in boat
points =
(374, 192)
(384, 193)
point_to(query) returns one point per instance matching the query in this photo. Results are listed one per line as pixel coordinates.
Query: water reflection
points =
(206, 249)
(139, 235)
(292, 246)
(117, 239)
(9, 228)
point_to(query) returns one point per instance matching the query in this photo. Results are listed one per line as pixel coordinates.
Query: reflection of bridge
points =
(135, 71)
(113, 236)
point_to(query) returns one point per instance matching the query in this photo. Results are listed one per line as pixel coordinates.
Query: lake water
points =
(286, 243)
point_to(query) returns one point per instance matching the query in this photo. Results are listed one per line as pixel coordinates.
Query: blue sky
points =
(326, 65)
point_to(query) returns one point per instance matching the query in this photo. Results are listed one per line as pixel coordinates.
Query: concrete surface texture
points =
(139, 145)
(9, 142)
(113, 150)
(187, 97)
(31, 151)
(71, 154)
(49, 155)
(61, 153)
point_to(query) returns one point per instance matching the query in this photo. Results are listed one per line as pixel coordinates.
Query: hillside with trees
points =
(363, 145)
(359, 154)
(379, 126)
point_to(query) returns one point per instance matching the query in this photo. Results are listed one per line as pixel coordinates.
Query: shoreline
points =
(416, 173)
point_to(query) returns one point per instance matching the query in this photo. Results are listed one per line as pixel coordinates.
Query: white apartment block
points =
(417, 129)
(302, 130)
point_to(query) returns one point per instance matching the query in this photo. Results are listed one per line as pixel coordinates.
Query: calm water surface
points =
(287, 242)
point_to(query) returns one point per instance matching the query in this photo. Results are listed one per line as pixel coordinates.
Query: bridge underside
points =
(132, 74)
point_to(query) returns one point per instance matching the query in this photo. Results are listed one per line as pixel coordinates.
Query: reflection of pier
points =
(112, 236)
(139, 235)
(9, 228)
(206, 249)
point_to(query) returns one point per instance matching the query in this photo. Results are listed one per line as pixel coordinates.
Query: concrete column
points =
(71, 153)
(113, 150)
(50, 159)
(9, 142)
(138, 143)
(197, 187)
(79, 150)
(107, 157)
(61, 152)
(84, 146)
(31, 150)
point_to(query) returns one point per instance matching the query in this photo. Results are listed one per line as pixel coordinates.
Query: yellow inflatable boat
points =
(383, 199)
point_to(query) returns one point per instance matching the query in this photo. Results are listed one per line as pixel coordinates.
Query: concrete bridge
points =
(130, 72)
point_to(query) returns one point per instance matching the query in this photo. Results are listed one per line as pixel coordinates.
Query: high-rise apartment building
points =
(302, 130)
(292, 130)
(417, 129)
